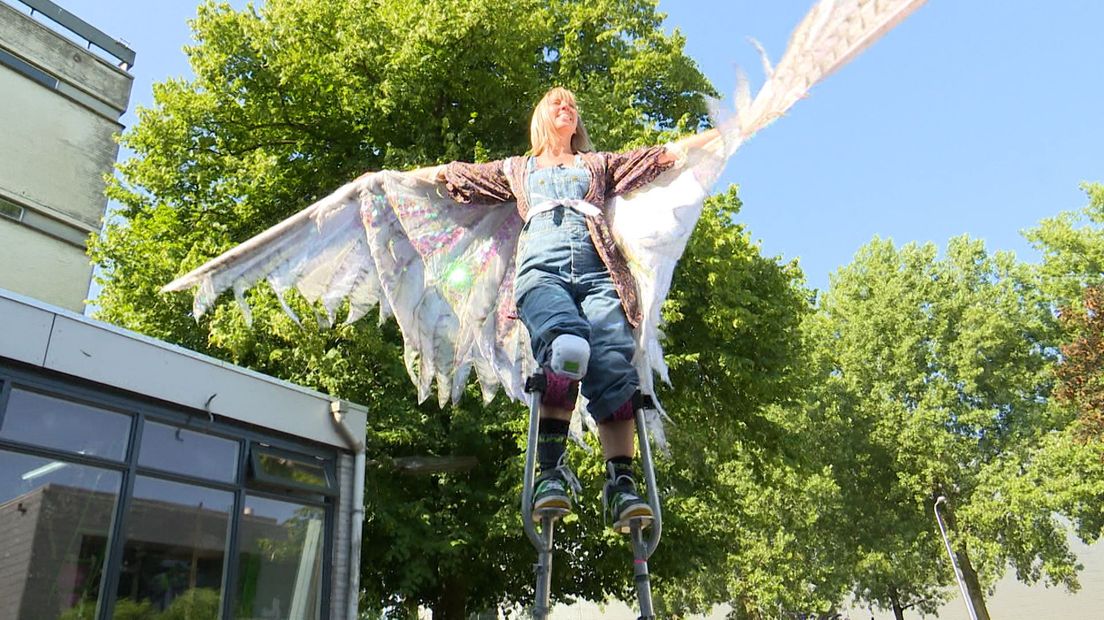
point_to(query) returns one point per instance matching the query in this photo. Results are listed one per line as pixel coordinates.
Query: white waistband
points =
(581, 206)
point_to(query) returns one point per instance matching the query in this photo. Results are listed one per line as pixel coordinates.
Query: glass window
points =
(51, 422)
(281, 470)
(55, 521)
(175, 544)
(280, 561)
(188, 452)
(11, 210)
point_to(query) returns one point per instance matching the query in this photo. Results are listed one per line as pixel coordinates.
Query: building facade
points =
(140, 480)
(59, 115)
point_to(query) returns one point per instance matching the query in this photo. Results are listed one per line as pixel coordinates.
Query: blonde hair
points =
(542, 133)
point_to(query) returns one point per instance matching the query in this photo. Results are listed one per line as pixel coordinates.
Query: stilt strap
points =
(643, 401)
(537, 382)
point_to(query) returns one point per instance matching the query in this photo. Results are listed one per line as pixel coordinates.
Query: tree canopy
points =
(934, 376)
(1073, 274)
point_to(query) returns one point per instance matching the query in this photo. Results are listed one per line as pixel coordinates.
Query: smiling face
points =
(561, 109)
(556, 121)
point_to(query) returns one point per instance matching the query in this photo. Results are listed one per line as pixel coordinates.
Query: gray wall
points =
(59, 114)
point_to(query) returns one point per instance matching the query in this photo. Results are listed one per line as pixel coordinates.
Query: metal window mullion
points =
(230, 563)
(110, 583)
(331, 512)
(330, 515)
(164, 474)
(76, 394)
(317, 501)
(288, 484)
(294, 449)
(61, 455)
(5, 392)
(184, 421)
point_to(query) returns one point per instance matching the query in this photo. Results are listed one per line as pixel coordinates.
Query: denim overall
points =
(563, 287)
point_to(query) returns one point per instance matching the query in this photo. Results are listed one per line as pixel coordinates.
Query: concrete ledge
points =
(61, 57)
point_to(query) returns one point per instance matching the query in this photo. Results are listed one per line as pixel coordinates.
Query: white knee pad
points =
(570, 356)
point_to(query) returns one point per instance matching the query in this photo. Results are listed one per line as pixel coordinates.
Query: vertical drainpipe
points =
(338, 409)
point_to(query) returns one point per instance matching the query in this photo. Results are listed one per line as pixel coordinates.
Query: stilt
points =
(643, 547)
(542, 537)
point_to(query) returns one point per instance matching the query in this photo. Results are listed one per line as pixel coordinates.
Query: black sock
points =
(619, 466)
(551, 442)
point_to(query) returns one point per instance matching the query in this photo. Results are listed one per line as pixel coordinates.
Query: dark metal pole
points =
(650, 480)
(644, 548)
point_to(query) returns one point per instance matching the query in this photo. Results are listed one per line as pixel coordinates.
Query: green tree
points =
(1072, 272)
(747, 499)
(934, 378)
(1072, 244)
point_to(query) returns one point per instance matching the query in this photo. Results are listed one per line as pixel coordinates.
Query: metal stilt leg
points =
(643, 548)
(542, 538)
(640, 571)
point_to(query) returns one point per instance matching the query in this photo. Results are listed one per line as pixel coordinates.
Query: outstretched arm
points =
(676, 151)
(484, 184)
(467, 183)
(433, 174)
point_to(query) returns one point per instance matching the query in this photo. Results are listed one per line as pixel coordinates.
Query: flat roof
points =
(36, 333)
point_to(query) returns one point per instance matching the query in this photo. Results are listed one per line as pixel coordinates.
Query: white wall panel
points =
(24, 331)
(133, 364)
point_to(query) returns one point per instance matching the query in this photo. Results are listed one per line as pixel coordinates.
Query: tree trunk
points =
(452, 602)
(894, 600)
(969, 575)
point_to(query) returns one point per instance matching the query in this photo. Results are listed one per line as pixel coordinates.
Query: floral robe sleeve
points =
(630, 170)
(478, 183)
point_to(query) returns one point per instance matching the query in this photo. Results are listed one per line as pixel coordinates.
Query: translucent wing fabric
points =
(445, 270)
(653, 225)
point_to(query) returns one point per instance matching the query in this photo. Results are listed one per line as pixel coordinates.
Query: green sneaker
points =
(550, 493)
(553, 489)
(624, 504)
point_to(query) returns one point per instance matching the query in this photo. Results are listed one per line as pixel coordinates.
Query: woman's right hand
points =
(433, 174)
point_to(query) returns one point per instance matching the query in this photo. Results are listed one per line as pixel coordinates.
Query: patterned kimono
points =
(611, 174)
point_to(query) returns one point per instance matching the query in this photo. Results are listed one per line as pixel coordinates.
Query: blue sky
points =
(971, 117)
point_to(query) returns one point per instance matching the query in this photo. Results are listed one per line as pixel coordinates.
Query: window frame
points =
(141, 408)
(265, 481)
(78, 399)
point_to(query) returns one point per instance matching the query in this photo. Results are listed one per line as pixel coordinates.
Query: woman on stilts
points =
(573, 289)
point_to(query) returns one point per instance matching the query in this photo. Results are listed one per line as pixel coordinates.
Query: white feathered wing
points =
(653, 225)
